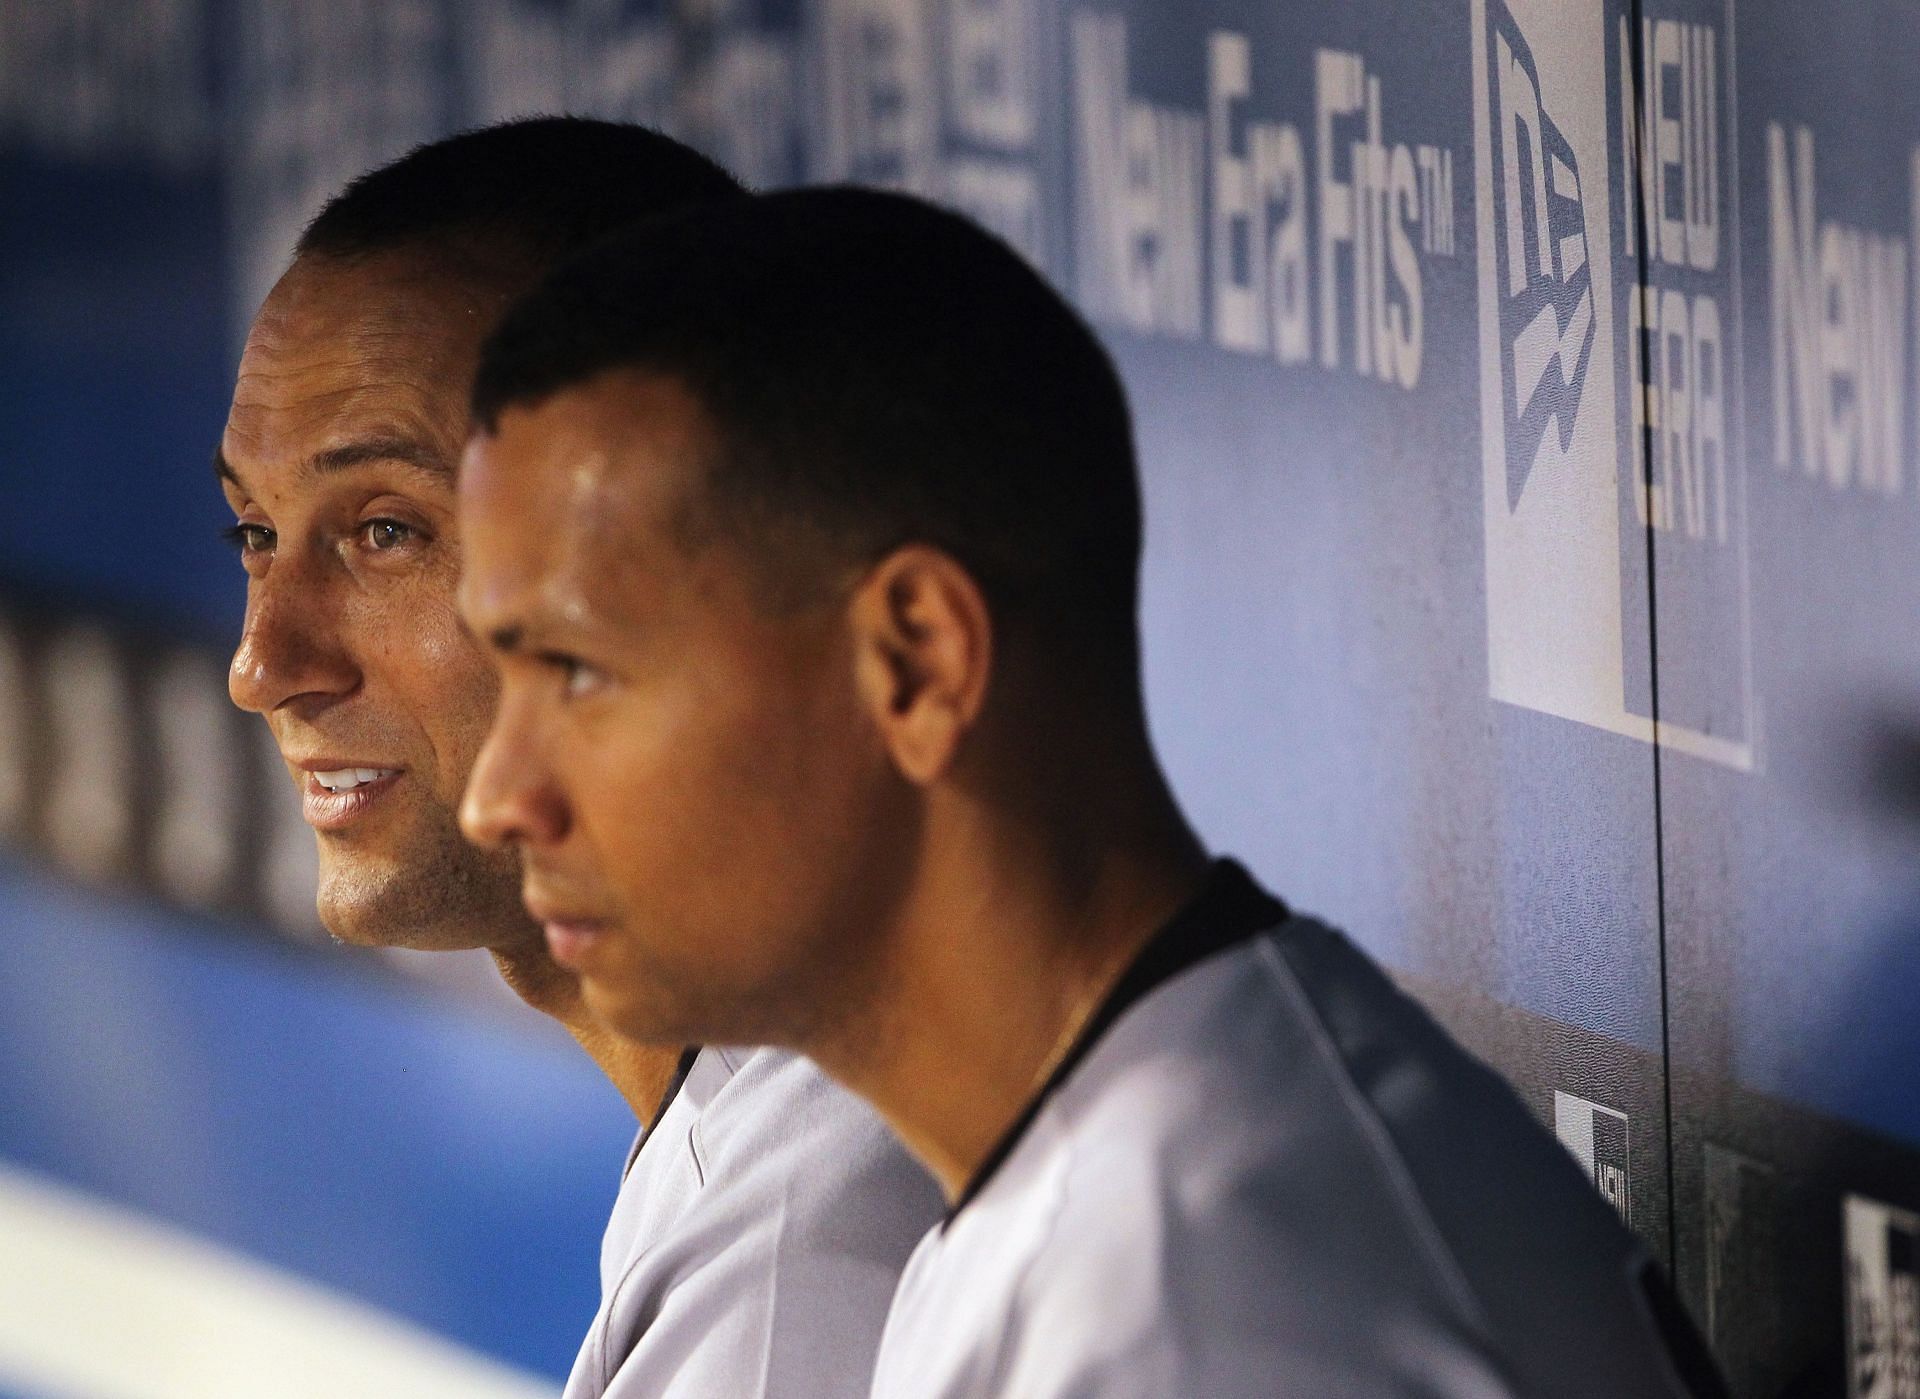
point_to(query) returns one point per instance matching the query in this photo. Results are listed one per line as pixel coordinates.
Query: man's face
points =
(706, 817)
(338, 460)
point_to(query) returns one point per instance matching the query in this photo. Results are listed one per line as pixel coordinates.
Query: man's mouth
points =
(336, 795)
(571, 942)
(346, 779)
(571, 937)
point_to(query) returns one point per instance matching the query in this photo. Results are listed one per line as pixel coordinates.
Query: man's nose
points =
(291, 644)
(512, 797)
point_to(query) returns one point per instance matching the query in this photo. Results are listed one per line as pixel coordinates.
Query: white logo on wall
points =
(1545, 285)
(1597, 1137)
(1839, 299)
(1677, 146)
(1552, 449)
(1883, 1300)
(1304, 240)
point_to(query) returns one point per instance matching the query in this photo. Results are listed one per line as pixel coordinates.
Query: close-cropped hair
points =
(527, 192)
(876, 371)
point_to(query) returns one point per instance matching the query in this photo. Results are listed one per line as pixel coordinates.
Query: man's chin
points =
(455, 910)
(638, 1024)
(644, 1011)
(359, 926)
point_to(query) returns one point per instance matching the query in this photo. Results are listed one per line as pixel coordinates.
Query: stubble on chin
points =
(439, 894)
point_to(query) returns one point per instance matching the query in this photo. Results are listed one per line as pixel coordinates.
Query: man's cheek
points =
(443, 646)
(459, 702)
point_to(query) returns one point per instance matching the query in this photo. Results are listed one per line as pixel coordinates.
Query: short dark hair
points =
(530, 192)
(878, 371)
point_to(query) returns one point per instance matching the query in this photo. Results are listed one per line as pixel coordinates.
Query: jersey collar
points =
(1228, 909)
(672, 1091)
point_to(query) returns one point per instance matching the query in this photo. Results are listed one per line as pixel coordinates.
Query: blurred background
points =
(1527, 395)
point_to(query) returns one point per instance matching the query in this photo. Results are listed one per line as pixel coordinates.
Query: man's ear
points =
(923, 645)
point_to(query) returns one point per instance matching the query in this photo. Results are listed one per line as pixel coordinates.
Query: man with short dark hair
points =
(765, 1213)
(807, 527)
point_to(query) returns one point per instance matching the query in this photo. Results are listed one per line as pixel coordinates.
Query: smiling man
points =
(764, 1216)
(808, 533)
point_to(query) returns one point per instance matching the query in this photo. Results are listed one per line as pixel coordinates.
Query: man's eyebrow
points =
(221, 470)
(402, 450)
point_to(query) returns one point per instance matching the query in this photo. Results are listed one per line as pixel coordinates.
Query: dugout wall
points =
(1527, 398)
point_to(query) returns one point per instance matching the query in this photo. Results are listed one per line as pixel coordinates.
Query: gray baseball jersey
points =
(1265, 1172)
(756, 1241)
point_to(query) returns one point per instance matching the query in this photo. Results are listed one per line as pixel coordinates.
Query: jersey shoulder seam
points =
(1003, 1348)
(1379, 1139)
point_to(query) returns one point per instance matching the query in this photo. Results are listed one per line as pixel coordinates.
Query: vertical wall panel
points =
(1396, 632)
(1788, 586)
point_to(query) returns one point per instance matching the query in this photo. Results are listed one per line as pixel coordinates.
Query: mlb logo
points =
(1597, 1137)
(1883, 1300)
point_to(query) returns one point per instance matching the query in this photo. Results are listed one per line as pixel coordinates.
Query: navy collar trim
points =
(1228, 909)
(674, 1085)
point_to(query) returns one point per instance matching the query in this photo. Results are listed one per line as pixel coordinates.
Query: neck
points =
(1004, 948)
(640, 1072)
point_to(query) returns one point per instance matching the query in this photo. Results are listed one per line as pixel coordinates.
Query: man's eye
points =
(248, 539)
(582, 679)
(386, 534)
(577, 678)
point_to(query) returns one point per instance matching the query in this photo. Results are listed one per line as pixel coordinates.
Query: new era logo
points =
(1563, 373)
(1540, 249)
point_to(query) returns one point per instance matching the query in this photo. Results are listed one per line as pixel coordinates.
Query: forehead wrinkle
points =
(346, 373)
(393, 416)
(415, 355)
(326, 413)
(340, 361)
(315, 334)
(380, 343)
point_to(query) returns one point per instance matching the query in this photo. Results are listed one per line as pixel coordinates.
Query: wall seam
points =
(1634, 112)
